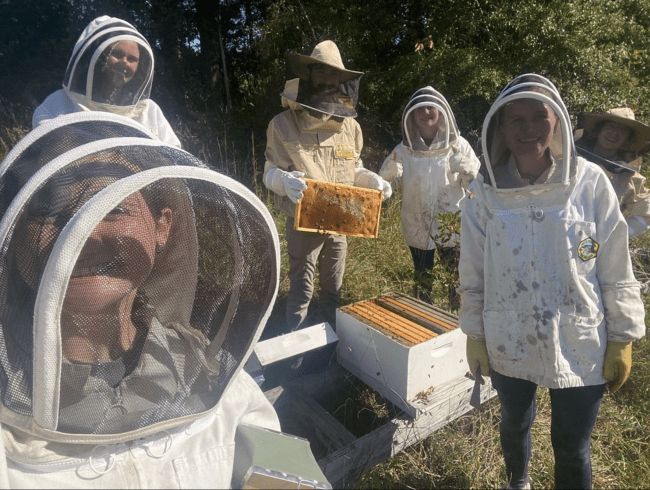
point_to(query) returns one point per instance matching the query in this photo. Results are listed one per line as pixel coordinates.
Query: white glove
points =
(370, 180)
(392, 170)
(464, 167)
(387, 190)
(285, 183)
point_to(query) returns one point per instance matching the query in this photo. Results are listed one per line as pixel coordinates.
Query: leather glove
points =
(618, 363)
(370, 180)
(464, 167)
(286, 183)
(393, 170)
(477, 356)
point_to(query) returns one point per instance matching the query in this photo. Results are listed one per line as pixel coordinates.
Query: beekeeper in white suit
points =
(433, 165)
(548, 293)
(318, 138)
(122, 339)
(111, 69)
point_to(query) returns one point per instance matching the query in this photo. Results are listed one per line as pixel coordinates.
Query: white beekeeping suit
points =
(546, 279)
(111, 70)
(434, 176)
(134, 283)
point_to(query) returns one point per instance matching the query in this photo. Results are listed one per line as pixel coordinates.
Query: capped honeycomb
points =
(340, 209)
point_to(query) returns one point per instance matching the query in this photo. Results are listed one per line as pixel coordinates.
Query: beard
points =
(331, 100)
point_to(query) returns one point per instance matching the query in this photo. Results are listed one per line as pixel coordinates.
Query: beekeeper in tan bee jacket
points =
(616, 141)
(318, 138)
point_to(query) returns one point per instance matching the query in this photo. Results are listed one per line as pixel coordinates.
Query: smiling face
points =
(427, 119)
(527, 126)
(120, 65)
(610, 139)
(122, 62)
(117, 258)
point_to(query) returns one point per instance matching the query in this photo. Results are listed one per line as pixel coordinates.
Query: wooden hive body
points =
(403, 348)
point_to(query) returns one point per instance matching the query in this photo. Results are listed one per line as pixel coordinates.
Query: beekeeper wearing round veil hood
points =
(433, 165)
(616, 141)
(130, 304)
(548, 294)
(110, 70)
(317, 138)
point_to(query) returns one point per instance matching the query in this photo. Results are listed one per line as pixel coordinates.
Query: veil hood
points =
(195, 313)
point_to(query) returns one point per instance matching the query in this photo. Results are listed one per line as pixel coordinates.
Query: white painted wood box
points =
(401, 347)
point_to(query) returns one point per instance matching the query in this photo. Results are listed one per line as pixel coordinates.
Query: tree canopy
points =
(221, 63)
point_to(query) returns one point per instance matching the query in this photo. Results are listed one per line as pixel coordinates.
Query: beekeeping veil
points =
(44, 144)
(96, 79)
(502, 137)
(447, 134)
(134, 283)
(339, 100)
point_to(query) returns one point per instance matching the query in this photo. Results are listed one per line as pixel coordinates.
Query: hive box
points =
(401, 347)
(338, 209)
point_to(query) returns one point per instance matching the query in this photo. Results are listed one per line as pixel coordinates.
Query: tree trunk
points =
(226, 82)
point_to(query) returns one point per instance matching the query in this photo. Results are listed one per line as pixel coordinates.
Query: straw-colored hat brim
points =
(641, 131)
(299, 64)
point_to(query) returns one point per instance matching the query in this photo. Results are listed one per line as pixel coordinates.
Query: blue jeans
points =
(573, 417)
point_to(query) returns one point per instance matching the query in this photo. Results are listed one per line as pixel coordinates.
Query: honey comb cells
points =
(339, 209)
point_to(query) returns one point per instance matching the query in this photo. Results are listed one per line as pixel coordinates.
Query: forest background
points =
(219, 70)
(220, 65)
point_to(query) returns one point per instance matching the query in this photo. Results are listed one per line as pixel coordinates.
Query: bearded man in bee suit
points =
(318, 138)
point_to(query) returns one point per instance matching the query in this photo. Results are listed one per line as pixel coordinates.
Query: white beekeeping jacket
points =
(83, 88)
(430, 186)
(545, 272)
(134, 283)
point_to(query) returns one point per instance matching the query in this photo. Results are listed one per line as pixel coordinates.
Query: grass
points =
(466, 453)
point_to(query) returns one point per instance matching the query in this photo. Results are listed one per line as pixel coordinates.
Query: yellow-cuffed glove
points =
(477, 356)
(618, 364)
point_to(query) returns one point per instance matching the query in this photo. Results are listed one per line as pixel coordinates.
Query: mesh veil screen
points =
(80, 68)
(23, 164)
(163, 303)
(24, 254)
(525, 125)
(195, 294)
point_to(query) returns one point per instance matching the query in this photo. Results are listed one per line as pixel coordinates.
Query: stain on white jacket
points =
(546, 307)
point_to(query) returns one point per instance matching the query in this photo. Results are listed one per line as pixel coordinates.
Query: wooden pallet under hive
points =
(401, 347)
(338, 209)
